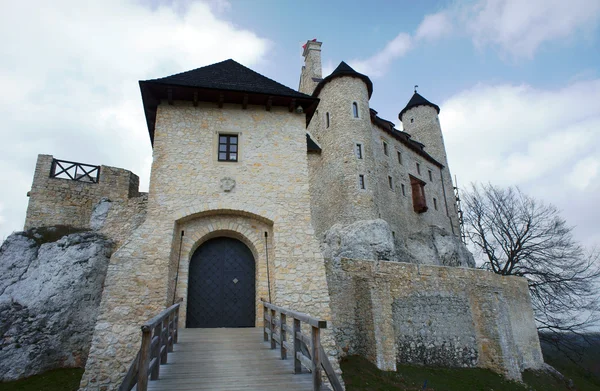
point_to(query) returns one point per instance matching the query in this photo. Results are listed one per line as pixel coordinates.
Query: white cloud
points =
(69, 76)
(520, 27)
(545, 141)
(435, 26)
(379, 63)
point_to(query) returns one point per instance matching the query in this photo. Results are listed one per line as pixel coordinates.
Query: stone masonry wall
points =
(187, 182)
(55, 201)
(442, 316)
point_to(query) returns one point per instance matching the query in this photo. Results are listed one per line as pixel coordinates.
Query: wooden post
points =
(297, 347)
(282, 335)
(273, 315)
(316, 358)
(176, 322)
(265, 311)
(164, 339)
(156, 352)
(170, 326)
(142, 380)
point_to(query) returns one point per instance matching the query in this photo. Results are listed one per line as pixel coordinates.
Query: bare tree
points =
(519, 235)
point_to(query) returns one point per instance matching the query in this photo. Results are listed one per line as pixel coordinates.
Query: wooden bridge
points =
(231, 358)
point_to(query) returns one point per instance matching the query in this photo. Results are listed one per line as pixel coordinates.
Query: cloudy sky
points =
(518, 82)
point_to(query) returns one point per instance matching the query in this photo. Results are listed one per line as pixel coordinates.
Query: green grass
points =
(361, 375)
(55, 380)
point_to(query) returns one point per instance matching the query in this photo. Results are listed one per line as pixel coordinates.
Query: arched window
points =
(355, 109)
(326, 120)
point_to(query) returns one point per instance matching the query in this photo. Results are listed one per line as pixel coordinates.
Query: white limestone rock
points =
(373, 239)
(436, 246)
(364, 239)
(100, 213)
(50, 289)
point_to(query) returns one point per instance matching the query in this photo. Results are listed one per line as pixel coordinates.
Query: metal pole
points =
(178, 263)
(267, 257)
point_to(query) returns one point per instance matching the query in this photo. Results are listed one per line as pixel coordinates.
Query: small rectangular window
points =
(418, 169)
(403, 189)
(355, 109)
(361, 181)
(228, 148)
(399, 157)
(391, 182)
(394, 234)
(434, 204)
(327, 120)
(385, 148)
(359, 152)
(430, 175)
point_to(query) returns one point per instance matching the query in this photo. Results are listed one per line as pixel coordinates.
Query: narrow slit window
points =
(355, 109)
(385, 148)
(228, 148)
(391, 182)
(430, 175)
(399, 157)
(418, 169)
(394, 234)
(434, 204)
(359, 151)
(327, 120)
(361, 181)
(403, 189)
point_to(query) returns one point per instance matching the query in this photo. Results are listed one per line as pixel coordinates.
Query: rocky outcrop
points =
(373, 240)
(50, 289)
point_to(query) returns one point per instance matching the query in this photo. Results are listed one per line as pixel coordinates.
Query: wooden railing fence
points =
(277, 329)
(159, 334)
(74, 171)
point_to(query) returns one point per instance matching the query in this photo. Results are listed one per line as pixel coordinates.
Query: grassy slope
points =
(56, 380)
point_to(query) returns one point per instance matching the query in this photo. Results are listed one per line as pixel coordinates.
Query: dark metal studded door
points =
(221, 287)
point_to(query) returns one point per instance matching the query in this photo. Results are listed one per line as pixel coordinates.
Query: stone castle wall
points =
(271, 193)
(430, 315)
(57, 201)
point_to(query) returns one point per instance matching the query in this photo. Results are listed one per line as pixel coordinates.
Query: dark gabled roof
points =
(417, 100)
(224, 82)
(228, 75)
(403, 137)
(311, 146)
(344, 70)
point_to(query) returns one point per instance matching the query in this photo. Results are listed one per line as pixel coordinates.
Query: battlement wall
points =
(60, 201)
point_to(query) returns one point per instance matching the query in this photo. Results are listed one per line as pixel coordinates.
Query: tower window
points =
(430, 175)
(399, 157)
(327, 119)
(228, 148)
(385, 148)
(434, 204)
(412, 120)
(361, 181)
(403, 189)
(391, 182)
(355, 109)
(418, 169)
(418, 195)
(359, 152)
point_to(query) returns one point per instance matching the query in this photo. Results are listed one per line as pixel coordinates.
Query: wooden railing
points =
(74, 171)
(313, 356)
(159, 334)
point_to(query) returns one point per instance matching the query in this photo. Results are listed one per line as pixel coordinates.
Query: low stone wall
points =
(394, 312)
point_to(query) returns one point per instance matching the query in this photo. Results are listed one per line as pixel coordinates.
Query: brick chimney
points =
(311, 71)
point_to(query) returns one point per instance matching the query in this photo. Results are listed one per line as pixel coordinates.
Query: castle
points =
(304, 197)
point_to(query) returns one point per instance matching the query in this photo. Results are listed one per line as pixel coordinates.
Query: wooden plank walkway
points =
(227, 359)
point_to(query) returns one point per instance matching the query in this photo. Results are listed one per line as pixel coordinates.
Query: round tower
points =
(420, 120)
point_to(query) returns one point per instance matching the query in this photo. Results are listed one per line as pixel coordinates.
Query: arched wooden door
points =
(221, 287)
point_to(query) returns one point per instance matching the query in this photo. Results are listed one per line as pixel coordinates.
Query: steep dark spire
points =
(344, 70)
(417, 100)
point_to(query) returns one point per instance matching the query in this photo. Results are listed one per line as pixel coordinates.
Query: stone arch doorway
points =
(221, 286)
